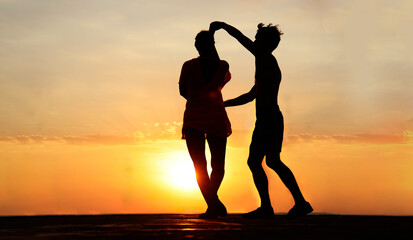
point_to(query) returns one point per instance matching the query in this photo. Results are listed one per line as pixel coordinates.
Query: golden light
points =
(180, 173)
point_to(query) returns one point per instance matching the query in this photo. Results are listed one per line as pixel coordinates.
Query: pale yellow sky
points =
(81, 77)
(346, 65)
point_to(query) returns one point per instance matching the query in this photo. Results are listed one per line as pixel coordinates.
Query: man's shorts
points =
(268, 133)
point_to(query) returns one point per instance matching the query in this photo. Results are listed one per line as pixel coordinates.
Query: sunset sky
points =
(90, 113)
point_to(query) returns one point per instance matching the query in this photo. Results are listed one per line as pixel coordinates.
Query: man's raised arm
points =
(245, 41)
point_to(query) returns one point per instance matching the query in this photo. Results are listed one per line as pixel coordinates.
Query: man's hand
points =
(243, 99)
(214, 26)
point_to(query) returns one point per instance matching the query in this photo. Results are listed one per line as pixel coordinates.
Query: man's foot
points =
(260, 213)
(300, 210)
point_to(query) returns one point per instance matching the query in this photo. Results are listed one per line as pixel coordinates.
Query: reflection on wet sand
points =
(175, 226)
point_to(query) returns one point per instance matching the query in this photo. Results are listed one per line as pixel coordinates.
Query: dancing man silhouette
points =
(269, 126)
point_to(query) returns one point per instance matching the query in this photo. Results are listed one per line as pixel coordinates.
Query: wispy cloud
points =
(151, 133)
(403, 138)
(76, 140)
(171, 131)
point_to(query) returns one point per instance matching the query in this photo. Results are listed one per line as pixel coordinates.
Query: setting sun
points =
(180, 173)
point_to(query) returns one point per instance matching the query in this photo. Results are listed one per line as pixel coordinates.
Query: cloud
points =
(405, 137)
(171, 132)
(151, 133)
(75, 140)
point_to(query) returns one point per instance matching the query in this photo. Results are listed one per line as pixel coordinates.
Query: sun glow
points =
(180, 173)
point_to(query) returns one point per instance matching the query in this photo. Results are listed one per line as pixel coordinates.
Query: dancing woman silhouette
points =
(205, 117)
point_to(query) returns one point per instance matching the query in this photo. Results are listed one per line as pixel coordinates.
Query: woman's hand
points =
(214, 26)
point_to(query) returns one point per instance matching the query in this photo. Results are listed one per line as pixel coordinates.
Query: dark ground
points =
(175, 226)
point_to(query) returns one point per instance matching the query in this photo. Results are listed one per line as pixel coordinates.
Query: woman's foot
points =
(299, 210)
(209, 214)
(221, 209)
(218, 210)
(260, 213)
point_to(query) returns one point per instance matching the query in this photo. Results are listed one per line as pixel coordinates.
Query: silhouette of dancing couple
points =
(205, 118)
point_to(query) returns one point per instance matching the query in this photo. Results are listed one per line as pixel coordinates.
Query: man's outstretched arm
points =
(243, 99)
(245, 41)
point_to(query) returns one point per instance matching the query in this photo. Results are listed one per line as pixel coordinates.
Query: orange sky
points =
(90, 114)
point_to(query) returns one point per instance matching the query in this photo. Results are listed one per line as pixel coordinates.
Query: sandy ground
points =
(175, 226)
